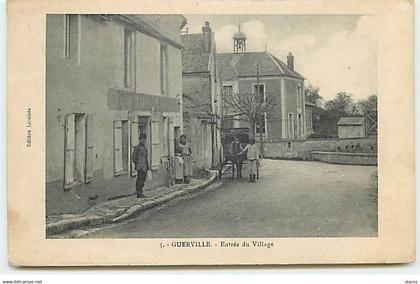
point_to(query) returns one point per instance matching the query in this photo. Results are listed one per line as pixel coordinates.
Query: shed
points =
(351, 127)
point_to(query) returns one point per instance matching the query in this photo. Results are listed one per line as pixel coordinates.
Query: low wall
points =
(301, 149)
(346, 158)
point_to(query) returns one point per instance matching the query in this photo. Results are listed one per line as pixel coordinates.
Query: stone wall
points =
(301, 149)
(346, 158)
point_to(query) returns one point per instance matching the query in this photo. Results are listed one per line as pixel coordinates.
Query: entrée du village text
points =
(221, 244)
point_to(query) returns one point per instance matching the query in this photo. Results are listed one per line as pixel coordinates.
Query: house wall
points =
(272, 85)
(291, 106)
(82, 85)
(198, 88)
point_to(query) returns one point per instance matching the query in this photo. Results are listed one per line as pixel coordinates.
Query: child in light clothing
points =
(252, 154)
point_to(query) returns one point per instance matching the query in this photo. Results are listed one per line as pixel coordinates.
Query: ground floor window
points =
(121, 147)
(156, 151)
(291, 126)
(78, 145)
(299, 126)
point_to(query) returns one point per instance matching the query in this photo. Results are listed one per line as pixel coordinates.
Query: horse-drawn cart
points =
(228, 137)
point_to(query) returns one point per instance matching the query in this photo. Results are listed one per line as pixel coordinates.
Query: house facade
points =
(201, 97)
(239, 76)
(108, 78)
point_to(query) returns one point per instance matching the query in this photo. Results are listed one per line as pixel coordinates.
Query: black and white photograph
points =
(211, 126)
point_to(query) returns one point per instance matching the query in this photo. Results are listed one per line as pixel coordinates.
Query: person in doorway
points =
(235, 150)
(141, 161)
(252, 155)
(185, 151)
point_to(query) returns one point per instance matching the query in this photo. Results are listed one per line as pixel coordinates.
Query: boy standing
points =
(141, 162)
(253, 154)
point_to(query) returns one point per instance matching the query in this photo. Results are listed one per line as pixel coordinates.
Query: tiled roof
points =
(193, 59)
(351, 120)
(244, 64)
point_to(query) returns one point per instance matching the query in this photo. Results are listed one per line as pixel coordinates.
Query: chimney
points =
(207, 37)
(290, 61)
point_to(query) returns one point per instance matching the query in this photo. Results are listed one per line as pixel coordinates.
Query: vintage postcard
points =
(210, 132)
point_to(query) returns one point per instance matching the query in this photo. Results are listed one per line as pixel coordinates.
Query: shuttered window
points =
(171, 139)
(156, 147)
(165, 140)
(128, 57)
(163, 69)
(70, 143)
(71, 36)
(89, 149)
(120, 147)
(291, 126)
(79, 149)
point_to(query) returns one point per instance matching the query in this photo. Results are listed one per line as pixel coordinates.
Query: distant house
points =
(351, 127)
(108, 78)
(201, 97)
(238, 75)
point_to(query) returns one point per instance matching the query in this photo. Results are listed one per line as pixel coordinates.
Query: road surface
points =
(291, 199)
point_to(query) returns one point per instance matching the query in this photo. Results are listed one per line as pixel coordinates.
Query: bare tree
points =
(246, 106)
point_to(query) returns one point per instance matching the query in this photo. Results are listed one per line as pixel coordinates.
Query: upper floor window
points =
(71, 36)
(128, 57)
(227, 90)
(163, 68)
(262, 91)
(299, 97)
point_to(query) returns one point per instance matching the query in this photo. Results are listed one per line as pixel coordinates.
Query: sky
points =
(336, 53)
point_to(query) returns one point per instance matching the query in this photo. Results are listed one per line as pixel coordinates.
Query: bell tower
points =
(239, 41)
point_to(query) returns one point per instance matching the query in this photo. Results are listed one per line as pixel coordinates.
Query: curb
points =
(85, 221)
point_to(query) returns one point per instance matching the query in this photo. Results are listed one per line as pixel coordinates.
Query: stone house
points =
(239, 75)
(108, 78)
(201, 97)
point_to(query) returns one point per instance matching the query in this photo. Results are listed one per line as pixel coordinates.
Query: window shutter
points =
(134, 137)
(89, 149)
(117, 148)
(69, 147)
(171, 139)
(156, 151)
(165, 147)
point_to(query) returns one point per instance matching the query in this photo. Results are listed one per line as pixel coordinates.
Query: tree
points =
(343, 104)
(368, 105)
(312, 95)
(246, 106)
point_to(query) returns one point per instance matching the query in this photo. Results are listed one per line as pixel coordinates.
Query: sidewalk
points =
(124, 208)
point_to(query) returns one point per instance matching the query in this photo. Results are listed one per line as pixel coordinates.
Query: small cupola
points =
(239, 41)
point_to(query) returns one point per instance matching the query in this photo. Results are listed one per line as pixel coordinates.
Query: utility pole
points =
(260, 114)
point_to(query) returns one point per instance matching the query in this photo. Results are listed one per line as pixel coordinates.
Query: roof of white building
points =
(244, 64)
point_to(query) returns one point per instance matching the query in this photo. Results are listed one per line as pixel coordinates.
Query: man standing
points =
(235, 150)
(141, 162)
(253, 154)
